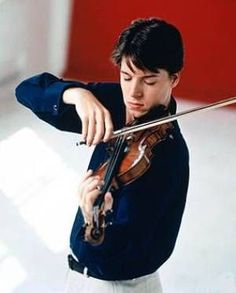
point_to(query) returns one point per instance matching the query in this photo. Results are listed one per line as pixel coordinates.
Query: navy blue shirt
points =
(147, 212)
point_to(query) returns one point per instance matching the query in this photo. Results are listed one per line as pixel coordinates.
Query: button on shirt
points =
(55, 108)
(147, 212)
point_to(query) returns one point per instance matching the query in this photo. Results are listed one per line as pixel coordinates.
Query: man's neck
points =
(129, 117)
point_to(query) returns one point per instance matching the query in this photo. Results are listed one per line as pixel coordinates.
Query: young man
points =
(147, 212)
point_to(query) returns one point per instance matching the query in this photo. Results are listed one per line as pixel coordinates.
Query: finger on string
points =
(86, 175)
(108, 202)
(86, 179)
(84, 186)
(95, 184)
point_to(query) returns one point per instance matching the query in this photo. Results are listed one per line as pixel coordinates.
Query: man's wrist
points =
(71, 95)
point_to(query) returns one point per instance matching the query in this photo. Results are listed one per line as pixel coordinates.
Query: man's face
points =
(142, 90)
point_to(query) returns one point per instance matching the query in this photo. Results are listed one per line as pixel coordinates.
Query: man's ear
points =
(175, 79)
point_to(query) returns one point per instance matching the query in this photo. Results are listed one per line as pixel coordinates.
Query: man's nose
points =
(136, 90)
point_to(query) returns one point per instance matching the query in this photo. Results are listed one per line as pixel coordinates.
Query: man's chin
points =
(138, 114)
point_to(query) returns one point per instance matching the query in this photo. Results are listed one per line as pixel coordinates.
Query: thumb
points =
(108, 202)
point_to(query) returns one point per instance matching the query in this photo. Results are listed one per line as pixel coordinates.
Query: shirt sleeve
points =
(43, 95)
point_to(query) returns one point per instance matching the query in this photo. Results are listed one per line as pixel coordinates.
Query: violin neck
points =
(112, 166)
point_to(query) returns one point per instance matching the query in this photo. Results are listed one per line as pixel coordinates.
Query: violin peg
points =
(108, 224)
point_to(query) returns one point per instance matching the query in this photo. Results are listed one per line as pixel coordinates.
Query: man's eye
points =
(150, 82)
(127, 78)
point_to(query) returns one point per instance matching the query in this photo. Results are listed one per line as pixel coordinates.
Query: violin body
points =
(137, 155)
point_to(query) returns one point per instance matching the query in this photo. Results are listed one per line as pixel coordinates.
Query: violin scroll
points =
(94, 233)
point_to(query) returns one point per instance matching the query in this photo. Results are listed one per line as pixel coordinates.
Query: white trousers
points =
(79, 283)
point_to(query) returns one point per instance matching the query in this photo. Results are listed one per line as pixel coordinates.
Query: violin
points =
(131, 157)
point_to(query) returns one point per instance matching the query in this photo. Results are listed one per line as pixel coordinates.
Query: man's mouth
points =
(134, 106)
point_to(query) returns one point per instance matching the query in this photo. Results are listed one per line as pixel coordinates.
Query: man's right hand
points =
(96, 120)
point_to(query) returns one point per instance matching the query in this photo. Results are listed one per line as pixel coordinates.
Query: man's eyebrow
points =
(151, 75)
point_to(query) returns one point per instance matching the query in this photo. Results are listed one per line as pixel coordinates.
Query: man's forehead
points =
(127, 65)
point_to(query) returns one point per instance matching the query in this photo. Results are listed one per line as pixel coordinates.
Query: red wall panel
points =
(208, 28)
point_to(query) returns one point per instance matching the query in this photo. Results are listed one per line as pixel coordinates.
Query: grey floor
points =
(39, 172)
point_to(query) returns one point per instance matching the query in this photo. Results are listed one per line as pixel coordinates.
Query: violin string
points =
(113, 160)
(107, 178)
(100, 199)
(110, 162)
(110, 168)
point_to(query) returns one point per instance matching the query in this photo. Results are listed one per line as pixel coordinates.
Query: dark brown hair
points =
(151, 44)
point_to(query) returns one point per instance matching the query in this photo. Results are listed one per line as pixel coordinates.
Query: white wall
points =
(33, 36)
